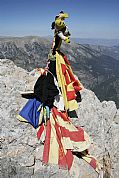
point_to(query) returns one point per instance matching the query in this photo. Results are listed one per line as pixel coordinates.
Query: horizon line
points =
(49, 36)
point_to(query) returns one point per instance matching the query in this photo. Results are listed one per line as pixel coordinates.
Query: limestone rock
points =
(21, 153)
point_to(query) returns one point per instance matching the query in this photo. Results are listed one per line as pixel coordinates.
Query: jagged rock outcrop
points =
(21, 153)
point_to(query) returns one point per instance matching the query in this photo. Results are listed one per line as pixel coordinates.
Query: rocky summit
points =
(21, 153)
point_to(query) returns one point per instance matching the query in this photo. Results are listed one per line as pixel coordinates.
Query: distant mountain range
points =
(96, 66)
(102, 42)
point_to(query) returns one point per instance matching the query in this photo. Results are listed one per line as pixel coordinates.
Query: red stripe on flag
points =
(69, 158)
(66, 60)
(75, 136)
(63, 66)
(61, 157)
(65, 161)
(55, 111)
(67, 79)
(63, 115)
(40, 131)
(93, 163)
(71, 95)
(71, 75)
(62, 162)
(47, 143)
(76, 86)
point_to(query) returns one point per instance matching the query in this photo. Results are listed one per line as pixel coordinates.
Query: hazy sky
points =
(88, 18)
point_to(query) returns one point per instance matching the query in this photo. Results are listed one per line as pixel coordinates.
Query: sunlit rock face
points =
(21, 153)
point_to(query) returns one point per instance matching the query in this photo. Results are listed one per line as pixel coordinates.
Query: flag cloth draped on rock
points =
(58, 132)
(66, 80)
(57, 84)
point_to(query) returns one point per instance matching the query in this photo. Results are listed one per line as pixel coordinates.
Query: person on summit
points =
(61, 31)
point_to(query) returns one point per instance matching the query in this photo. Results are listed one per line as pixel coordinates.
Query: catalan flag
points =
(67, 139)
(67, 82)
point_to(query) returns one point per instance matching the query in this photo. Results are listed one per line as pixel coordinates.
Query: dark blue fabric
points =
(30, 113)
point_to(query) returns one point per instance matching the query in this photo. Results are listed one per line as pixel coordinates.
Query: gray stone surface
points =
(21, 153)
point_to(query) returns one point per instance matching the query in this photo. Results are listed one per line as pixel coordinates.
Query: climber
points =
(61, 31)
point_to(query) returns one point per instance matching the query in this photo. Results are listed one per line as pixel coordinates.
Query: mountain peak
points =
(18, 141)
